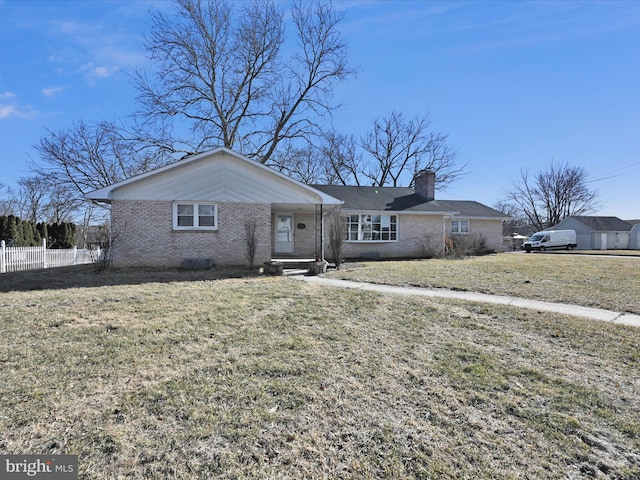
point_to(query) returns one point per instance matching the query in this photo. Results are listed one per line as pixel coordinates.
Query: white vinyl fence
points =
(14, 259)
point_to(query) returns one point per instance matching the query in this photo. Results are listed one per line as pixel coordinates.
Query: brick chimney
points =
(425, 184)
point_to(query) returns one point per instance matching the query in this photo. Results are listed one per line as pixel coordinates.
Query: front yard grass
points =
(612, 283)
(190, 376)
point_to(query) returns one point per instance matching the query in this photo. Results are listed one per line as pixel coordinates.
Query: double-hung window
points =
(195, 216)
(459, 226)
(371, 228)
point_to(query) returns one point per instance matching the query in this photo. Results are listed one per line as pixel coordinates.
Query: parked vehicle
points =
(551, 239)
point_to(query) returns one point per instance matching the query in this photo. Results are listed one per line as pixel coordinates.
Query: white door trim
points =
(283, 237)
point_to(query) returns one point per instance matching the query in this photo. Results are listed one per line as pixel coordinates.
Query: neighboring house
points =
(598, 233)
(199, 207)
(634, 234)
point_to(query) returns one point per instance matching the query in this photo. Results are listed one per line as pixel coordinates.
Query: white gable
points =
(217, 176)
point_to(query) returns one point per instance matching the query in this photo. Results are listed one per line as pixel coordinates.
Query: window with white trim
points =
(459, 226)
(195, 216)
(371, 228)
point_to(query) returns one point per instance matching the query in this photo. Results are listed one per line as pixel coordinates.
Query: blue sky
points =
(515, 85)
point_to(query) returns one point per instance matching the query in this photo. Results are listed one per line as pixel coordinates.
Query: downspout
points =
(315, 234)
(444, 234)
(321, 233)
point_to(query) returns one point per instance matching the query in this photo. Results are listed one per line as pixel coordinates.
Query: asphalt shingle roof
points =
(600, 224)
(403, 199)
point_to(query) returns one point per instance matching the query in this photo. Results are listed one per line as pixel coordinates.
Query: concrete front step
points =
(294, 263)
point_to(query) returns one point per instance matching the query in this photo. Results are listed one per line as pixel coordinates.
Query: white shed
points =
(598, 233)
(634, 236)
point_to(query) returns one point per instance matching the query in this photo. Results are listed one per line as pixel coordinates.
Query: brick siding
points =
(144, 235)
(491, 231)
(421, 236)
(417, 236)
(305, 238)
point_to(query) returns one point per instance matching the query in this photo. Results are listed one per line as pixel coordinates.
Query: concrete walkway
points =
(563, 308)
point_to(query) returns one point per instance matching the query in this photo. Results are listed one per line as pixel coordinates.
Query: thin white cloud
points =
(95, 72)
(104, 71)
(50, 92)
(7, 111)
(531, 23)
(473, 26)
(10, 108)
(12, 111)
(96, 50)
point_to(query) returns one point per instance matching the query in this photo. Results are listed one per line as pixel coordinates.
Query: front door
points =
(283, 233)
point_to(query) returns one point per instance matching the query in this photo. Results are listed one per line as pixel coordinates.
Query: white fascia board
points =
(100, 195)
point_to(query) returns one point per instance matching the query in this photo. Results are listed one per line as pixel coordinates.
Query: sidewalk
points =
(563, 308)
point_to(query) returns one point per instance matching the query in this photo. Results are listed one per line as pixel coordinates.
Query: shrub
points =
(431, 246)
(337, 232)
(458, 246)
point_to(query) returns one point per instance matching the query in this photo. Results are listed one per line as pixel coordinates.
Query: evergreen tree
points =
(44, 232)
(62, 235)
(23, 233)
(15, 231)
(54, 228)
(35, 235)
(26, 234)
(4, 234)
(71, 237)
(65, 235)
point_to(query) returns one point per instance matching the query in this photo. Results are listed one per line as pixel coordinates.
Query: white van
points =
(551, 239)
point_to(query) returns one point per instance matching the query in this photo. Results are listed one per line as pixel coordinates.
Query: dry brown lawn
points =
(608, 282)
(195, 375)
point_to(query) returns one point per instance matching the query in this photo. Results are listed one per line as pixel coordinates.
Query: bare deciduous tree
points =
(6, 200)
(517, 220)
(220, 75)
(552, 195)
(343, 162)
(85, 157)
(63, 203)
(251, 241)
(333, 161)
(6, 204)
(90, 156)
(401, 148)
(303, 163)
(32, 198)
(337, 229)
(225, 73)
(105, 237)
(40, 199)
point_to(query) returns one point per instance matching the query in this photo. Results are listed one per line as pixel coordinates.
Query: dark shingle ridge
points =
(403, 199)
